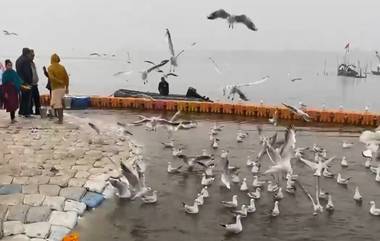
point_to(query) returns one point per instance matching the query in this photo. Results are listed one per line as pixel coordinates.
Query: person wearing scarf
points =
(11, 85)
(59, 81)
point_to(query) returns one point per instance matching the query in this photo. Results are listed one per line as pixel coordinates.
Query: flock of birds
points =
(281, 176)
(174, 56)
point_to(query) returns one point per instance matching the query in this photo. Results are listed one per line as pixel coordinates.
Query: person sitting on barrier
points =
(163, 87)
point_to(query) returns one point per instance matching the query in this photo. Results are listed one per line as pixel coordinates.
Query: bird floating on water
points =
(244, 186)
(234, 227)
(251, 207)
(231, 204)
(344, 162)
(275, 210)
(373, 210)
(357, 196)
(231, 19)
(194, 209)
(347, 145)
(256, 194)
(342, 181)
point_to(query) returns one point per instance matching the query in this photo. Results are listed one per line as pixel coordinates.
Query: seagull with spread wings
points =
(144, 74)
(298, 112)
(173, 57)
(235, 89)
(231, 19)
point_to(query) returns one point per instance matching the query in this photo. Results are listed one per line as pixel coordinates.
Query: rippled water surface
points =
(125, 220)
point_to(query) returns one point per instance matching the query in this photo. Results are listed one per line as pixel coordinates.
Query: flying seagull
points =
(298, 112)
(9, 33)
(235, 89)
(231, 19)
(145, 73)
(173, 58)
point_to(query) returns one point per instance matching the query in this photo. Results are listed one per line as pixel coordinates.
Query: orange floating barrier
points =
(228, 108)
(354, 118)
(251, 110)
(194, 106)
(216, 108)
(368, 120)
(325, 117)
(171, 105)
(205, 107)
(255, 110)
(285, 114)
(182, 106)
(339, 117)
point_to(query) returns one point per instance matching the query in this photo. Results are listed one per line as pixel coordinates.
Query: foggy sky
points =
(110, 25)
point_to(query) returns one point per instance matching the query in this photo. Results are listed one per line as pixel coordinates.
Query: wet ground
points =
(132, 220)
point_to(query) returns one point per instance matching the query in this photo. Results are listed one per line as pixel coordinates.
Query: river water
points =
(132, 220)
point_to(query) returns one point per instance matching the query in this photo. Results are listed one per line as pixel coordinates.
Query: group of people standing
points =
(19, 89)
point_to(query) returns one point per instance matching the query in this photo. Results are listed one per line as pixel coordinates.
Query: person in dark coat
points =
(163, 87)
(34, 91)
(11, 85)
(24, 70)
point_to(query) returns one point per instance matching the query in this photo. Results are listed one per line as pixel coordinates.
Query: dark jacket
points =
(24, 67)
(163, 87)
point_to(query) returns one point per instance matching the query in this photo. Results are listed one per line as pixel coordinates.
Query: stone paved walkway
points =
(50, 174)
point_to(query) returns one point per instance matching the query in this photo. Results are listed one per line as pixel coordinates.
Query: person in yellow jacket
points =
(59, 81)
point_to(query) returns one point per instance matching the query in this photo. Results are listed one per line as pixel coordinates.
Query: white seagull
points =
(173, 57)
(373, 210)
(342, 181)
(244, 186)
(344, 162)
(231, 204)
(243, 212)
(234, 227)
(298, 112)
(200, 199)
(347, 145)
(251, 206)
(357, 196)
(256, 194)
(235, 89)
(191, 209)
(172, 169)
(275, 210)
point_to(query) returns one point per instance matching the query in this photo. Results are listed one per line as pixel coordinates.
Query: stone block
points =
(49, 190)
(13, 228)
(11, 199)
(18, 237)
(34, 199)
(74, 206)
(54, 203)
(37, 230)
(57, 233)
(30, 189)
(95, 185)
(39, 180)
(38, 214)
(73, 193)
(61, 181)
(65, 219)
(5, 180)
(77, 182)
(17, 213)
(10, 189)
(20, 180)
